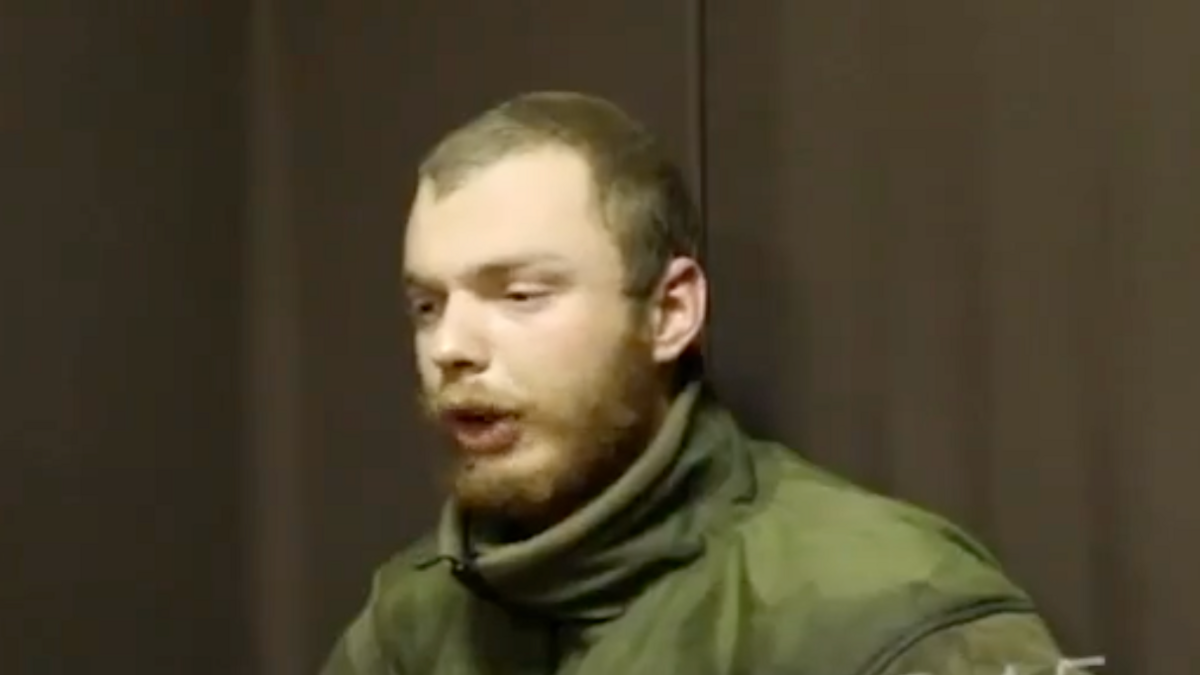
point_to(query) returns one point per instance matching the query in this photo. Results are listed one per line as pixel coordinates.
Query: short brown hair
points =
(642, 195)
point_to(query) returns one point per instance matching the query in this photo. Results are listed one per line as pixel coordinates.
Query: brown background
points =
(954, 249)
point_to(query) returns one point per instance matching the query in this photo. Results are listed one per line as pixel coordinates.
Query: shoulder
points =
(367, 645)
(812, 529)
(835, 573)
(1001, 643)
(413, 596)
(414, 561)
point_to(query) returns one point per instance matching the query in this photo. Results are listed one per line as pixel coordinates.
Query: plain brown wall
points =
(954, 251)
(121, 220)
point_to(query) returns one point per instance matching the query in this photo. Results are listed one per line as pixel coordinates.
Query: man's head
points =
(550, 265)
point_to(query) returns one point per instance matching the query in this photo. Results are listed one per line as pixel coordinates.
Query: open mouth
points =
(482, 430)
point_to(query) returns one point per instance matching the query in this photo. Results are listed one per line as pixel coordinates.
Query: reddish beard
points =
(590, 435)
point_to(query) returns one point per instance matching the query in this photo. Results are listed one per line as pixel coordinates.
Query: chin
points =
(523, 480)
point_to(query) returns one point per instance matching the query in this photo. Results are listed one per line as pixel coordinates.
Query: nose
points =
(457, 345)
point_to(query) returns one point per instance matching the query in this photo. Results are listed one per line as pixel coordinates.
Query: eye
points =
(422, 308)
(525, 295)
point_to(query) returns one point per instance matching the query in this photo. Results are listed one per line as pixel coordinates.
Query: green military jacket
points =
(715, 554)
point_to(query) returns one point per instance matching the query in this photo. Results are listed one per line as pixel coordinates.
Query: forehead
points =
(536, 204)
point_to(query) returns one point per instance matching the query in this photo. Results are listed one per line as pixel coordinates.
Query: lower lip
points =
(487, 438)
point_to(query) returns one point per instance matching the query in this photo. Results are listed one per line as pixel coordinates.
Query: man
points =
(607, 514)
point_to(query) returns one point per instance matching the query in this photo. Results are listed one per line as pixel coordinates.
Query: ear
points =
(680, 309)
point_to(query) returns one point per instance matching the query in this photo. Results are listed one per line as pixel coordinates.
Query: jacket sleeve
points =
(1002, 644)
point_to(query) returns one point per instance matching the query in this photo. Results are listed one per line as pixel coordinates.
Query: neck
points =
(650, 519)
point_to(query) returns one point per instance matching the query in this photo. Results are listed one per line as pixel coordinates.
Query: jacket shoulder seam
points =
(883, 659)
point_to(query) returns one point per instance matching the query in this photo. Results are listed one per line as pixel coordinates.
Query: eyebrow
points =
(496, 268)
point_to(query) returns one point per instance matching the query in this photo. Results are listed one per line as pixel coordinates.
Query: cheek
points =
(427, 372)
(567, 344)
